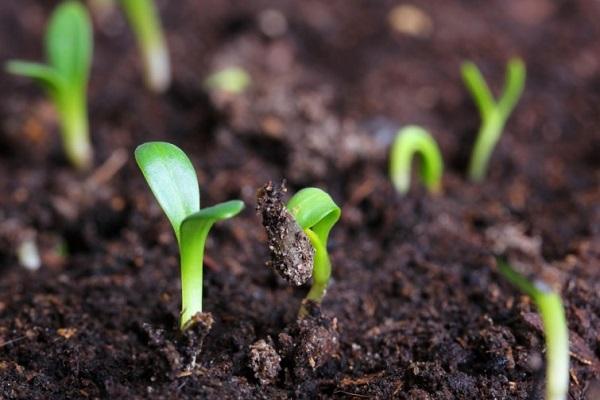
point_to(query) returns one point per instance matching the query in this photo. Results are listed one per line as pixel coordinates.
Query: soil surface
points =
(416, 309)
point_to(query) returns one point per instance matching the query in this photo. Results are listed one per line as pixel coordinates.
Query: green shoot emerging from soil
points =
(493, 113)
(556, 332)
(298, 235)
(145, 22)
(410, 140)
(232, 80)
(65, 77)
(171, 177)
(316, 213)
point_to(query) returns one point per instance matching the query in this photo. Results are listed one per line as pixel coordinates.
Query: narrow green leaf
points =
(479, 89)
(43, 74)
(69, 42)
(513, 86)
(314, 209)
(171, 177)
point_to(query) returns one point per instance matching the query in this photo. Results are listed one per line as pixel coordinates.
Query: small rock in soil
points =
(265, 362)
(291, 252)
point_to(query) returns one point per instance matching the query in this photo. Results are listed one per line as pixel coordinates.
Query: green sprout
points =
(556, 331)
(316, 213)
(171, 177)
(69, 52)
(410, 140)
(232, 80)
(145, 22)
(493, 113)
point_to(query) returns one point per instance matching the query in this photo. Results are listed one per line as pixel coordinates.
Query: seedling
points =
(298, 235)
(171, 177)
(145, 22)
(69, 52)
(316, 213)
(493, 113)
(232, 80)
(409, 141)
(556, 331)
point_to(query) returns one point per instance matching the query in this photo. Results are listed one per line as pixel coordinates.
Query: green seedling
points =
(232, 80)
(410, 140)
(145, 22)
(65, 77)
(316, 213)
(493, 113)
(171, 177)
(556, 332)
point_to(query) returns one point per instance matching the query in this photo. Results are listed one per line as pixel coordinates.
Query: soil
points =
(416, 309)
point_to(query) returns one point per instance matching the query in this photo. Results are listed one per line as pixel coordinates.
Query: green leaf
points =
(513, 86)
(314, 209)
(171, 177)
(233, 80)
(43, 74)
(194, 230)
(69, 42)
(478, 88)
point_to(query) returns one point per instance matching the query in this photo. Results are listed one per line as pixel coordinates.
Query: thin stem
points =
(145, 22)
(191, 250)
(556, 331)
(75, 130)
(321, 272)
(487, 138)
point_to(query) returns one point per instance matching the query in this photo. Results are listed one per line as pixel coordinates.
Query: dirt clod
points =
(264, 361)
(291, 252)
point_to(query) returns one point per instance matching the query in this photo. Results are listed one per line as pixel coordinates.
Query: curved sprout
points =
(409, 141)
(493, 114)
(556, 332)
(316, 213)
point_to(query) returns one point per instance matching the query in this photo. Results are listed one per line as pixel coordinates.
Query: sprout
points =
(298, 235)
(232, 80)
(556, 332)
(145, 22)
(493, 114)
(410, 140)
(69, 52)
(171, 177)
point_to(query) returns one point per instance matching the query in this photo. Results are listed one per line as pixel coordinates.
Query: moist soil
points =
(416, 309)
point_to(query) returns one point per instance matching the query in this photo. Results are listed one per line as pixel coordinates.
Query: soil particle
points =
(180, 353)
(316, 339)
(291, 251)
(264, 361)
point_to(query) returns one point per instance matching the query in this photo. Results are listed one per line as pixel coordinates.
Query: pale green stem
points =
(75, 130)
(487, 138)
(321, 271)
(145, 22)
(192, 257)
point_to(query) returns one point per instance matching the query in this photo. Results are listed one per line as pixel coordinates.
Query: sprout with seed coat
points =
(298, 233)
(171, 177)
(145, 22)
(65, 78)
(493, 113)
(556, 332)
(409, 141)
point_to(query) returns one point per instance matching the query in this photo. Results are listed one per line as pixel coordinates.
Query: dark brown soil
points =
(416, 309)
